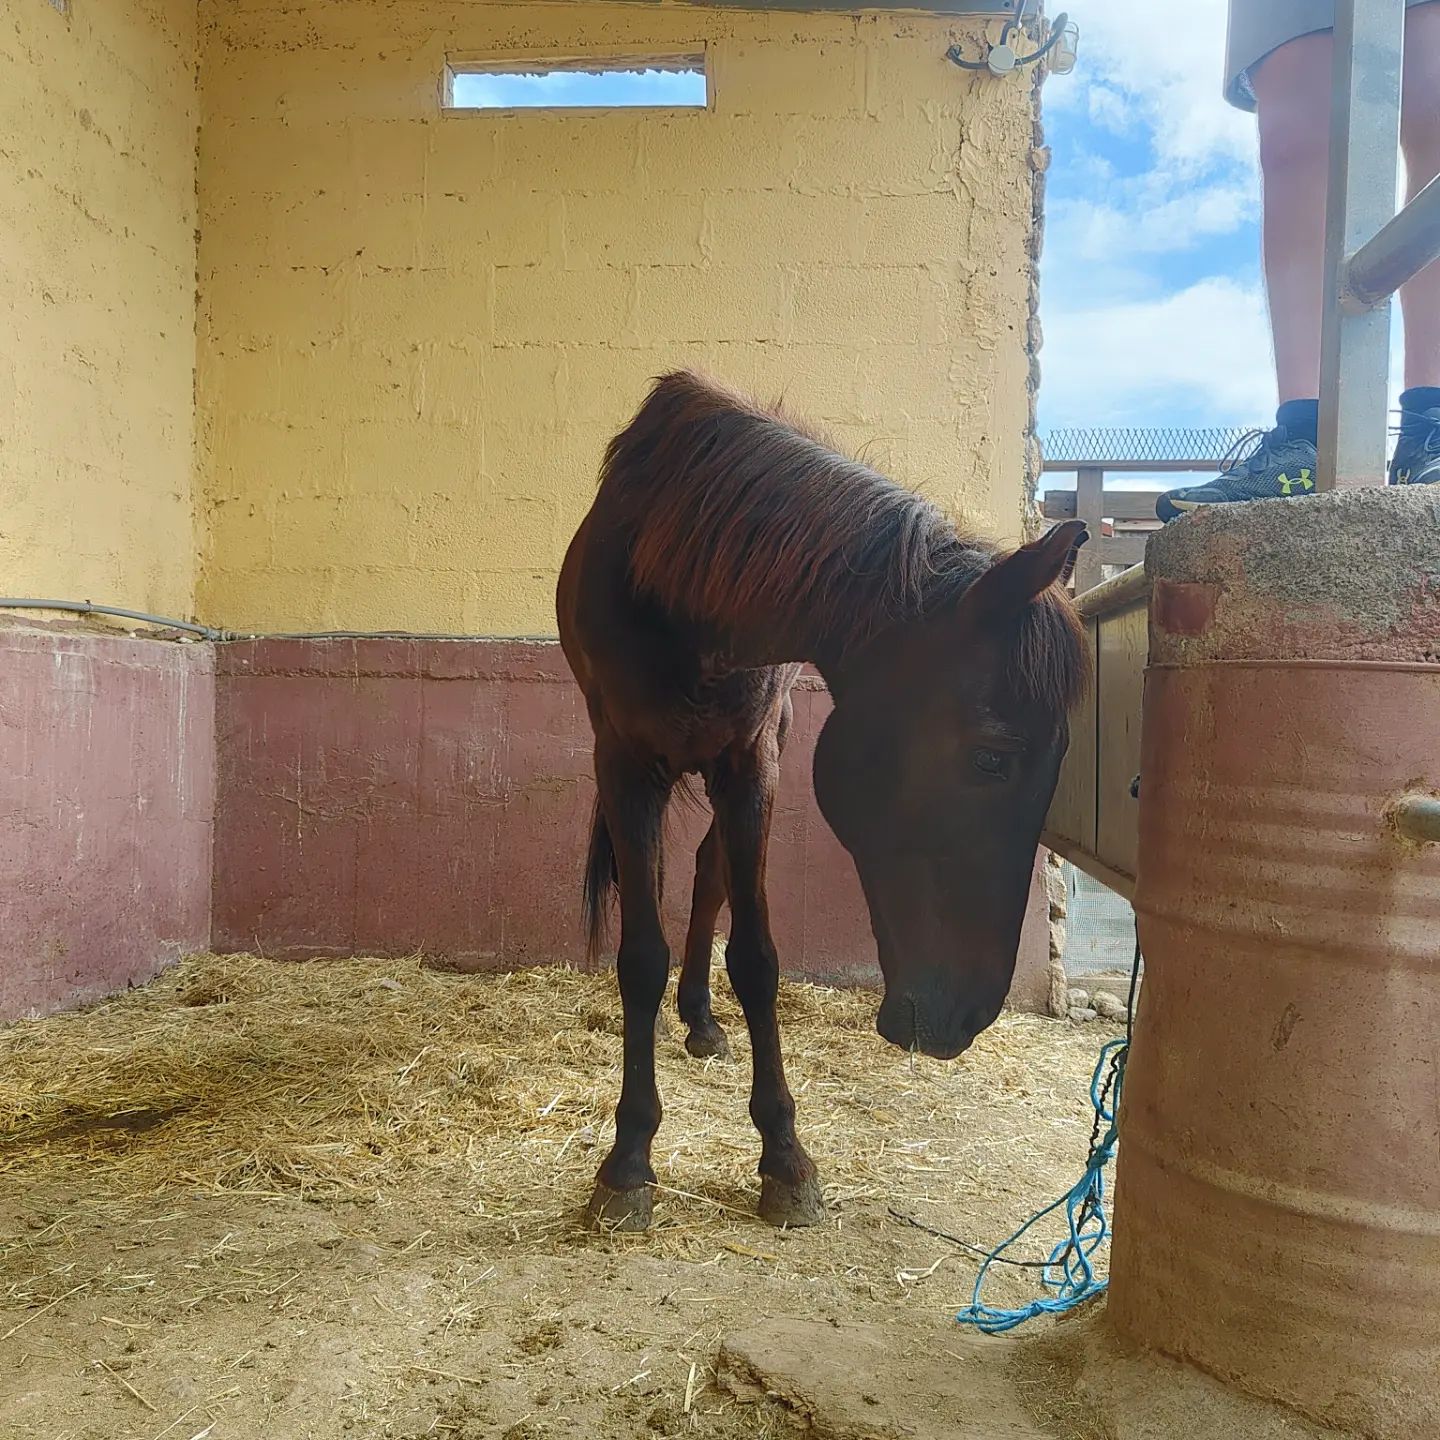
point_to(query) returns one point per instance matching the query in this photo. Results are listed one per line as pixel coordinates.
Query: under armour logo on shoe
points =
(1301, 482)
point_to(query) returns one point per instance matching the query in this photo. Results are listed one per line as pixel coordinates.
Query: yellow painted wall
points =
(97, 301)
(417, 331)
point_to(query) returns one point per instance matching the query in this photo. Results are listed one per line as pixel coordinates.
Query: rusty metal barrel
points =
(1278, 1199)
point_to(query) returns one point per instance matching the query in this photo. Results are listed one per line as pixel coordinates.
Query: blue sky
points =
(581, 87)
(1150, 283)
(1151, 296)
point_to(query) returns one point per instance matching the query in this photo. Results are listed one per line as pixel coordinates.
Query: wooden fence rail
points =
(1120, 521)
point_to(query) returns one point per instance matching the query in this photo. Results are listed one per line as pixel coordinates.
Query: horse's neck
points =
(766, 624)
(778, 638)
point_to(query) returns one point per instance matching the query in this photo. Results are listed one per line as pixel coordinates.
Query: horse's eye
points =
(991, 762)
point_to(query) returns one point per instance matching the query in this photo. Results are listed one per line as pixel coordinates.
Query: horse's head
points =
(935, 771)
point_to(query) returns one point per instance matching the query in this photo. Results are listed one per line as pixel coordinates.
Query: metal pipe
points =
(385, 635)
(1129, 589)
(1364, 152)
(1417, 817)
(84, 607)
(1398, 251)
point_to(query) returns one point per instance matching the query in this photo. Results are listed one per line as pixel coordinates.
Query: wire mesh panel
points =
(1130, 448)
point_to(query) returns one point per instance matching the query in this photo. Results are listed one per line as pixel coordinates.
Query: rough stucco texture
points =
(1354, 574)
(106, 812)
(417, 331)
(97, 291)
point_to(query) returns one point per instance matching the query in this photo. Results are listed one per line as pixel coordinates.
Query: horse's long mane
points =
(742, 516)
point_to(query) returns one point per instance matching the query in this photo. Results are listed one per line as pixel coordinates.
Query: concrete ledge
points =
(1353, 574)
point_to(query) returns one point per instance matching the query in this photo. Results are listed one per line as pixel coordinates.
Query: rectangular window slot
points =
(586, 82)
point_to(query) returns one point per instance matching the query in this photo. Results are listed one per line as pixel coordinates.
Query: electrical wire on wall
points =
(1003, 58)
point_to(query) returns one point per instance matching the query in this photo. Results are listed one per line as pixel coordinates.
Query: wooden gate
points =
(1092, 820)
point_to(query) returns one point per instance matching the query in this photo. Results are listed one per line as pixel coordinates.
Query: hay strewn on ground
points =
(355, 1078)
(352, 1154)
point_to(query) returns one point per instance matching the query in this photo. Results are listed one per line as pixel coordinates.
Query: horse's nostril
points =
(898, 1021)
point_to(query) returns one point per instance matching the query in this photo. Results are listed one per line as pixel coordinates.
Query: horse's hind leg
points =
(704, 1036)
(633, 797)
(743, 795)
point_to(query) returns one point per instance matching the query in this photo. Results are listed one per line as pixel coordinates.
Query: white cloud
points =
(1145, 218)
(1110, 110)
(1204, 349)
(1158, 64)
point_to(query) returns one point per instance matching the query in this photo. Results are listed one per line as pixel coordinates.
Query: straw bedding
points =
(365, 1159)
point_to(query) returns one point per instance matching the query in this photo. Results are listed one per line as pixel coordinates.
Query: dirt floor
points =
(343, 1199)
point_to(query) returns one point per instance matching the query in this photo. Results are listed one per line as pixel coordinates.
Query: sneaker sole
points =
(1186, 506)
(1174, 509)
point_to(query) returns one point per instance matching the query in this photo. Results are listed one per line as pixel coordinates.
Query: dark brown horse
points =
(725, 546)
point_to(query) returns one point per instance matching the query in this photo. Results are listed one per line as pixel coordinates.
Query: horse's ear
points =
(1016, 579)
(1082, 537)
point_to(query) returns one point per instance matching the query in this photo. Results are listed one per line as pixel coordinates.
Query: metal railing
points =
(1370, 249)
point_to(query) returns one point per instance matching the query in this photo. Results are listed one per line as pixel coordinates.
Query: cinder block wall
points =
(417, 331)
(415, 334)
(97, 291)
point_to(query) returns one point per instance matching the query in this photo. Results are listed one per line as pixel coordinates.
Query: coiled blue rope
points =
(1069, 1273)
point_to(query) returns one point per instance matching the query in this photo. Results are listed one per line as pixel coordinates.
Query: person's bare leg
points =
(1292, 88)
(1292, 102)
(1420, 141)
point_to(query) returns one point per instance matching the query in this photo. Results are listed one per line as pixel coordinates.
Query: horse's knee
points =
(642, 970)
(754, 970)
(707, 853)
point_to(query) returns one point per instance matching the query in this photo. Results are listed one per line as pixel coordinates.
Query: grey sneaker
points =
(1417, 451)
(1263, 465)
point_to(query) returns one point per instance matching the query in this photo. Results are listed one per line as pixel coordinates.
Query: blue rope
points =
(1069, 1272)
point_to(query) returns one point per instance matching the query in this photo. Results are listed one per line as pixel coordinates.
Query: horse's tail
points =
(601, 877)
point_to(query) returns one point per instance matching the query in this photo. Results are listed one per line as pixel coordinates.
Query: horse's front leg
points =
(704, 1037)
(743, 794)
(632, 798)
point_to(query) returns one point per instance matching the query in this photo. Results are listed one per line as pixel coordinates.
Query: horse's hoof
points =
(707, 1041)
(783, 1203)
(627, 1210)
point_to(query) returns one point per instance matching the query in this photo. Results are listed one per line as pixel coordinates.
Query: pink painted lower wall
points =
(322, 798)
(106, 811)
(389, 796)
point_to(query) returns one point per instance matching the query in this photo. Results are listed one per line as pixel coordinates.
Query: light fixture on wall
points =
(1001, 58)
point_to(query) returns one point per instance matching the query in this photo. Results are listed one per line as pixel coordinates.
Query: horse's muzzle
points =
(911, 1024)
